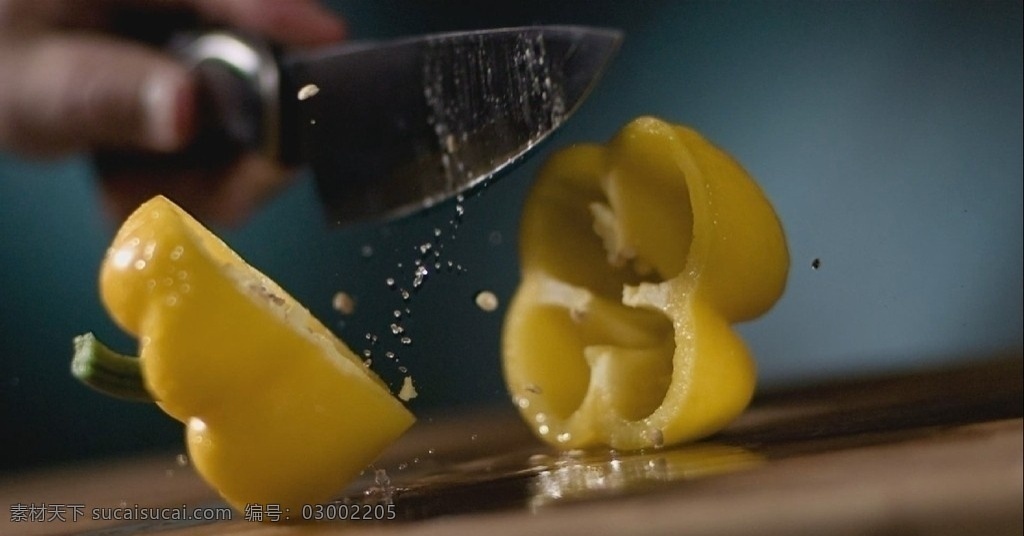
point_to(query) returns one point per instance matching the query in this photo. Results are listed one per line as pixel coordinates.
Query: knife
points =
(389, 128)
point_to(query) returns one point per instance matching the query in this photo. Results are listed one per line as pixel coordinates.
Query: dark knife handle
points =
(238, 110)
(238, 84)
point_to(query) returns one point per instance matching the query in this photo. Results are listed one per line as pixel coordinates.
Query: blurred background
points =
(887, 134)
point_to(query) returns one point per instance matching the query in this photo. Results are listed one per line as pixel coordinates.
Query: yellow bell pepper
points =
(277, 409)
(637, 257)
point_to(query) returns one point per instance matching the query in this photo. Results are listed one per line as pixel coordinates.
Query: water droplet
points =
(396, 313)
(437, 232)
(367, 353)
(406, 341)
(390, 282)
(389, 355)
(420, 276)
(122, 257)
(396, 329)
(563, 437)
(381, 478)
(473, 437)
(543, 429)
(655, 437)
(139, 264)
(181, 460)
(405, 294)
(176, 253)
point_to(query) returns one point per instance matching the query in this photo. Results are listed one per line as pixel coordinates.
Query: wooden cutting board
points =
(939, 452)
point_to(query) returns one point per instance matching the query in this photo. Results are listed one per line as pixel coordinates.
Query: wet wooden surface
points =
(939, 452)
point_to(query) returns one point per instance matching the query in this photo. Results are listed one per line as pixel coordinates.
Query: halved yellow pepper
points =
(278, 410)
(637, 257)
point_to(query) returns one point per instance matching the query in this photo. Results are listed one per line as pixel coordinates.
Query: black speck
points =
(815, 264)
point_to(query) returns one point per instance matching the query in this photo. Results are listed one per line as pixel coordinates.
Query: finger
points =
(72, 92)
(226, 196)
(291, 22)
(36, 15)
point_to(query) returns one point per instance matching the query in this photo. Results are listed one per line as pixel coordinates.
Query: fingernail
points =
(166, 96)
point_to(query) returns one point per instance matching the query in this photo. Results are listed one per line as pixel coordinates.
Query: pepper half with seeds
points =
(637, 257)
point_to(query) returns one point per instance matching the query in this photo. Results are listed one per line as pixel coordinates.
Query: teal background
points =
(888, 135)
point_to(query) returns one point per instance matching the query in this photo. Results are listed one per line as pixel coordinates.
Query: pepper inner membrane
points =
(632, 226)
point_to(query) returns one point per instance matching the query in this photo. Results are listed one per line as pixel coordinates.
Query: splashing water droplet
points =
(655, 437)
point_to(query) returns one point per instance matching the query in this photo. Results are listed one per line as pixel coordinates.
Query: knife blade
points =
(390, 128)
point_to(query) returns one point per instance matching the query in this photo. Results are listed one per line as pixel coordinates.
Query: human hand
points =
(78, 75)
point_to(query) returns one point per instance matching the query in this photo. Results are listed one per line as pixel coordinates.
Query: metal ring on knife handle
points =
(235, 73)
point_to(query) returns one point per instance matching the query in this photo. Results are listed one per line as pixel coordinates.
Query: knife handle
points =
(238, 86)
(238, 105)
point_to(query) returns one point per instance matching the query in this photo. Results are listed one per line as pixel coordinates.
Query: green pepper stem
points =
(107, 371)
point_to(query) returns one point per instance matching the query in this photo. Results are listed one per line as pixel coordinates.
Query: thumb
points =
(67, 93)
